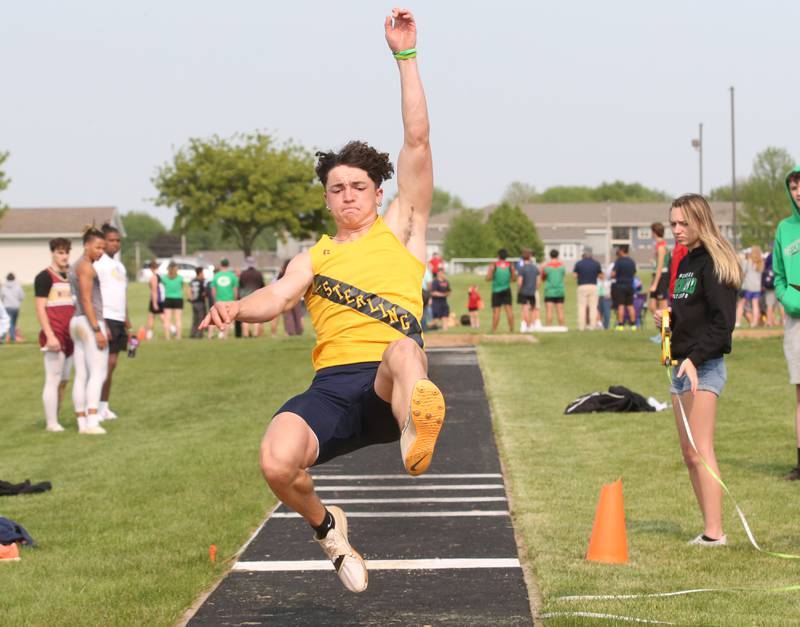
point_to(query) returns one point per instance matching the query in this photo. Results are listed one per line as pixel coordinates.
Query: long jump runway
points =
(440, 547)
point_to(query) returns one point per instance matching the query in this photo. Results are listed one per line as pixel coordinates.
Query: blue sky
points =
(96, 95)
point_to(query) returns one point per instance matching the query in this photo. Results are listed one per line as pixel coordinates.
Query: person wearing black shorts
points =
(659, 287)
(501, 299)
(362, 290)
(622, 272)
(113, 288)
(155, 301)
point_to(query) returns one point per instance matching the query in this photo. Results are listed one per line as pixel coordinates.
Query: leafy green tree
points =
(567, 193)
(4, 181)
(246, 184)
(617, 191)
(519, 193)
(723, 193)
(764, 197)
(470, 236)
(140, 229)
(514, 231)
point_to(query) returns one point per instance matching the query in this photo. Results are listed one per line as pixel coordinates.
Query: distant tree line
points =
(763, 197)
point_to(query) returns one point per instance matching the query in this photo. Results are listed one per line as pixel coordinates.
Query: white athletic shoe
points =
(96, 430)
(55, 428)
(701, 541)
(90, 425)
(349, 565)
(523, 328)
(108, 414)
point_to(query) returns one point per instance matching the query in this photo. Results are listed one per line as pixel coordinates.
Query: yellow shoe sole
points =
(426, 416)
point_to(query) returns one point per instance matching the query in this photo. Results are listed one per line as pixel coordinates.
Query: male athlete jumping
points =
(363, 290)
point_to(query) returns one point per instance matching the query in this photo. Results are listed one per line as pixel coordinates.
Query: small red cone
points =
(212, 553)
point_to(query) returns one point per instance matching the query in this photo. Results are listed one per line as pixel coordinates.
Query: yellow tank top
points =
(366, 294)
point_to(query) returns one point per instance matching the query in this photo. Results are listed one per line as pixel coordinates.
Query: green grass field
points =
(124, 534)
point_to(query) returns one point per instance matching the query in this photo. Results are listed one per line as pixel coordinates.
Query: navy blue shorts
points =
(343, 410)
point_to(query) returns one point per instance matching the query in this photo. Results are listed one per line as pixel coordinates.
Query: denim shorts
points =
(711, 376)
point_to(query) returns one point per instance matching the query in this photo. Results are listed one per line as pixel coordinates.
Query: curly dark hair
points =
(357, 154)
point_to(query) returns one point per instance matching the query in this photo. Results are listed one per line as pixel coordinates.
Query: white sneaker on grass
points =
(107, 414)
(55, 428)
(349, 565)
(90, 425)
(701, 541)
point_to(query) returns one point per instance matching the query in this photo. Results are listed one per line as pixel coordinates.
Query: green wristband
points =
(405, 54)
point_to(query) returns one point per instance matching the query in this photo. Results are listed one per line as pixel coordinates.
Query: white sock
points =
(92, 420)
(81, 423)
(103, 407)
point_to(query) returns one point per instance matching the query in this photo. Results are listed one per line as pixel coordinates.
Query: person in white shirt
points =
(113, 287)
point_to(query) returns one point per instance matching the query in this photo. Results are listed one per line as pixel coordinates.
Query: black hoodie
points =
(703, 310)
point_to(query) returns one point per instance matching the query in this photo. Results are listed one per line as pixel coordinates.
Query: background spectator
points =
(622, 272)
(501, 273)
(250, 280)
(527, 282)
(587, 272)
(197, 298)
(553, 278)
(224, 288)
(771, 304)
(12, 295)
(474, 305)
(440, 290)
(751, 288)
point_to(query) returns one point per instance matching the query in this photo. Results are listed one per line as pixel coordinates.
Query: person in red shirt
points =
(54, 309)
(678, 253)
(474, 305)
(436, 263)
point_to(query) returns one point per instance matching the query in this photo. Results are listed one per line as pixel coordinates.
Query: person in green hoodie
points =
(786, 265)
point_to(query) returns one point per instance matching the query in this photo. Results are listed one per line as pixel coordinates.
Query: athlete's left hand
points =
(687, 368)
(402, 35)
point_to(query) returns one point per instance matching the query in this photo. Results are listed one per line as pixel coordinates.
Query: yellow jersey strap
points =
(369, 304)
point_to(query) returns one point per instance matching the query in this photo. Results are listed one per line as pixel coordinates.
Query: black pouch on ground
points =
(617, 399)
(26, 487)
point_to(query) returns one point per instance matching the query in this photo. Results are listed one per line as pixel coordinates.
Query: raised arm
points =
(407, 216)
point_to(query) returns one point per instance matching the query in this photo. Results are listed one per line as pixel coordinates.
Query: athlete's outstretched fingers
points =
(204, 322)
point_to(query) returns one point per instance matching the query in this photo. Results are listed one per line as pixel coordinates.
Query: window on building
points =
(568, 251)
(620, 232)
(644, 233)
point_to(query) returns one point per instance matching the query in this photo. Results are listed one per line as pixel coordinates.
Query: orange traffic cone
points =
(9, 553)
(609, 542)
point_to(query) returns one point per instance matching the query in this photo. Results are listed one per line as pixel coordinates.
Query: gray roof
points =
(55, 221)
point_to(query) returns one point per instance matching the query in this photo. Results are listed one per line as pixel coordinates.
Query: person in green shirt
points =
(224, 287)
(173, 302)
(553, 279)
(501, 274)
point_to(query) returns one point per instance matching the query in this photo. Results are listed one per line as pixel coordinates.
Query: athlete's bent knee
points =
(277, 469)
(405, 348)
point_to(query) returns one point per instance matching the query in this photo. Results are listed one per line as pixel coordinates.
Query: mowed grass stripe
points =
(557, 464)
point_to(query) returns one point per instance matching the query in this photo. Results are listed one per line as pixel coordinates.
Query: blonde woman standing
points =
(703, 317)
(751, 287)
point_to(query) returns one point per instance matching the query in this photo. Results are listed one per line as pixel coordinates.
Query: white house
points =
(25, 235)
